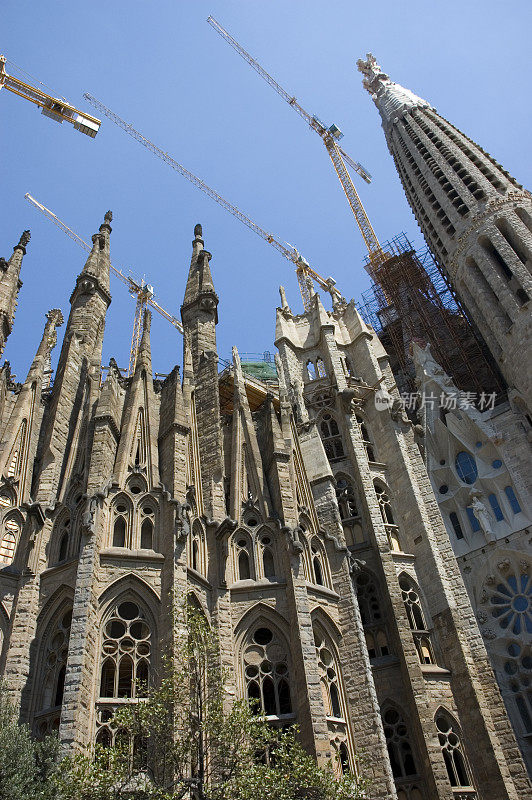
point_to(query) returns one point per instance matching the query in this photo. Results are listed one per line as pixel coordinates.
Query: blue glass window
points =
(512, 499)
(455, 522)
(497, 464)
(466, 467)
(494, 503)
(473, 521)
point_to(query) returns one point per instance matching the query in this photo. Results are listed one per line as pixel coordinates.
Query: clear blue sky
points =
(162, 68)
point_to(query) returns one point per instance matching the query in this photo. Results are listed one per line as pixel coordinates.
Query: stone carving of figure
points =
(484, 517)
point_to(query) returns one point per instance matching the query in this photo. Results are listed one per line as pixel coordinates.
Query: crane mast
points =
(304, 271)
(329, 136)
(52, 107)
(142, 291)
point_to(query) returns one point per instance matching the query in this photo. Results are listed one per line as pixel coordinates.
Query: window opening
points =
(512, 499)
(332, 440)
(385, 506)
(398, 744)
(369, 603)
(466, 467)
(473, 521)
(320, 369)
(455, 522)
(451, 748)
(267, 675)
(366, 441)
(494, 503)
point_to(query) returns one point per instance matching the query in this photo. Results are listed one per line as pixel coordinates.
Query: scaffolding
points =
(412, 301)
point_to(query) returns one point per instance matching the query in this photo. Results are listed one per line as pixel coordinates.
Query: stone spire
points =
(475, 217)
(200, 286)
(10, 284)
(391, 99)
(97, 264)
(19, 438)
(63, 446)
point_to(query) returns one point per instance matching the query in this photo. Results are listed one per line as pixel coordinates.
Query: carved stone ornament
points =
(488, 633)
(294, 543)
(182, 525)
(87, 519)
(482, 617)
(305, 427)
(355, 565)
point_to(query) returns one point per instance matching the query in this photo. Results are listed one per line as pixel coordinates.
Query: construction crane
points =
(52, 107)
(305, 273)
(142, 291)
(330, 136)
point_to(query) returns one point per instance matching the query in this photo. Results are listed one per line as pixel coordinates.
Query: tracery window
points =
(366, 441)
(121, 522)
(318, 571)
(197, 549)
(518, 675)
(369, 602)
(320, 368)
(328, 676)
(53, 675)
(268, 561)
(9, 540)
(351, 520)
(331, 437)
(385, 506)
(126, 657)
(416, 620)
(451, 748)
(243, 558)
(147, 527)
(267, 673)
(398, 744)
(511, 602)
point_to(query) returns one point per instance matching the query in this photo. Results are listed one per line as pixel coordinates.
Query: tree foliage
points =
(26, 766)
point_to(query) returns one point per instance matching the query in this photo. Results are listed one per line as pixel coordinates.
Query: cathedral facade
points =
(297, 514)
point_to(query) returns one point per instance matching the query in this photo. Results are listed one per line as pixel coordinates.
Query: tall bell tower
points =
(475, 217)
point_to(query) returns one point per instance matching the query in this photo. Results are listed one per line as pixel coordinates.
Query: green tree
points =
(187, 740)
(26, 766)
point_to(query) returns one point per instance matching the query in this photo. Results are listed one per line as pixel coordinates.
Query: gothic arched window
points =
(197, 549)
(125, 662)
(369, 602)
(52, 677)
(61, 540)
(331, 437)
(318, 563)
(366, 441)
(455, 522)
(416, 619)
(9, 540)
(267, 672)
(243, 557)
(147, 527)
(398, 744)
(385, 507)
(121, 519)
(451, 747)
(268, 561)
(311, 371)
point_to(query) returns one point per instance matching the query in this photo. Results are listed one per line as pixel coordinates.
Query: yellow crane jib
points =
(55, 108)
